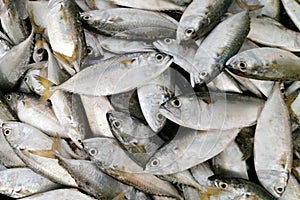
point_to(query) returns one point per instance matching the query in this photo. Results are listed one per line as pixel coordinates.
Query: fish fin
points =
(249, 7)
(49, 153)
(37, 28)
(288, 101)
(210, 191)
(47, 85)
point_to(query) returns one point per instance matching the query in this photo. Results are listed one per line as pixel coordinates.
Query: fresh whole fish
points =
(125, 169)
(183, 151)
(273, 136)
(135, 66)
(117, 21)
(224, 111)
(266, 63)
(199, 18)
(63, 25)
(239, 188)
(211, 56)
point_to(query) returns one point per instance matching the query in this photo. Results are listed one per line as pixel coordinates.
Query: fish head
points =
(180, 109)
(166, 45)
(243, 64)
(158, 59)
(189, 29)
(100, 150)
(14, 99)
(121, 125)
(12, 131)
(274, 181)
(161, 162)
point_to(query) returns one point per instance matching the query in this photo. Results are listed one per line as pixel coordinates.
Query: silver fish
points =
(273, 136)
(218, 111)
(229, 162)
(93, 180)
(22, 182)
(282, 37)
(211, 56)
(63, 25)
(123, 23)
(266, 63)
(125, 169)
(135, 67)
(189, 148)
(138, 139)
(199, 18)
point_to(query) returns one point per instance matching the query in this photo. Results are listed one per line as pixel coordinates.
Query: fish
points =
(96, 109)
(257, 63)
(139, 141)
(211, 56)
(199, 18)
(222, 112)
(230, 163)
(13, 20)
(273, 136)
(103, 73)
(292, 8)
(125, 169)
(288, 40)
(64, 25)
(189, 148)
(152, 95)
(122, 23)
(29, 110)
(95, 182)
(239, 188)
(13, 63)
(22, 182)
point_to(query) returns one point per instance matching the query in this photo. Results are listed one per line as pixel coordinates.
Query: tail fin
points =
(36, 28)
(49, 153)
(48, 85)
(249, 7)
(210, 191)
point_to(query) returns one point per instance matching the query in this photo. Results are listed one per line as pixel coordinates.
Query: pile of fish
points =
(150, 99)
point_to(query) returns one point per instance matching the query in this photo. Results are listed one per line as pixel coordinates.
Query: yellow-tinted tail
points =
(49, 88)
(249, 7)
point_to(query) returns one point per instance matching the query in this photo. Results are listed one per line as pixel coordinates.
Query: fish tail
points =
(49, 88)
(210, 191)
(35, 28)
(249, 7)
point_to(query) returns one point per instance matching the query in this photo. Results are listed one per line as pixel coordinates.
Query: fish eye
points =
(79, 141)
(8, 97)
(205, 20)
(279, 190)
(116, 124)
(203, 74)
(26, 79)
(176, 103)
(86, 17)
(242, 65)
(189, 32)
(40, 51)
(159, 117)
(89, 50)
(168, 41)
(223, 185)
(93, 152)
(159, 57)
(154, 162)
(7, 131)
